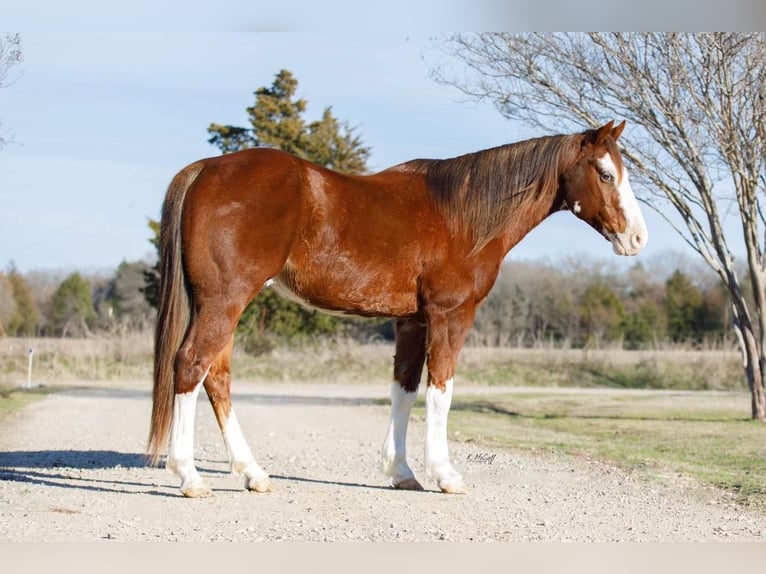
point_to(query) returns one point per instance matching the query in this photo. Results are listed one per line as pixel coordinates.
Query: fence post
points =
(29, 367)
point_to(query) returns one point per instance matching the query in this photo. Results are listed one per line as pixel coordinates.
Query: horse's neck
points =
(527, 216)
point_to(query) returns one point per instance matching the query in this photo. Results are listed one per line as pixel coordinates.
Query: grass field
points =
(707, 436)
(14, 398)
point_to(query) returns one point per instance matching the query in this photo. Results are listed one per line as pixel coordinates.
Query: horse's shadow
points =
(60, 468)
(78, 459)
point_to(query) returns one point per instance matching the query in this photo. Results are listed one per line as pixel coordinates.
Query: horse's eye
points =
(607, 177)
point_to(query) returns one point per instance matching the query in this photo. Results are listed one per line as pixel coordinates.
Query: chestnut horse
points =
(421, 242)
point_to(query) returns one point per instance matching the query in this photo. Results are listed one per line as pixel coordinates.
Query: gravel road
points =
(71, 469)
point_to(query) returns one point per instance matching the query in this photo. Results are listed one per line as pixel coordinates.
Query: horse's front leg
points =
(394, 451)
(438, 465)
(446, 335)
(408, 365)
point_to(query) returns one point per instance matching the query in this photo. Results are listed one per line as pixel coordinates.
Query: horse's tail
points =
(173, 310)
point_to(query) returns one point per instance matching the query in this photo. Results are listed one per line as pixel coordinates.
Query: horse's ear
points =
(616, 131)
(596, 136)
(603, 132)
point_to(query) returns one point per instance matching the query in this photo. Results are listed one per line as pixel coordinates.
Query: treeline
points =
(587, 305)
(572, 304)
(48, 305)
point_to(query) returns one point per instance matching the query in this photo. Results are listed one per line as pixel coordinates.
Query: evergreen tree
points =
(277, 120)
(151, 288)
(72, 311)
(23, 321)
(643, 326)
(126, 295)
(7, 304)
(683, 304)
(602, 312)
(333, 145)
(714, 315)
(644, 322)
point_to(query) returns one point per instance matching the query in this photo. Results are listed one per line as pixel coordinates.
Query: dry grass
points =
(129, 357)
(324, 361)
(119, 357)
(660, 369)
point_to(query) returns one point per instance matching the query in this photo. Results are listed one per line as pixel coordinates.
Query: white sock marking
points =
(437, 409)
(242, 461)
(181, 448)
(394, 451)
(437, 452)
(239, 451)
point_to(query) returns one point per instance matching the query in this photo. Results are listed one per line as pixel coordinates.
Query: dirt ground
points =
(72, 469)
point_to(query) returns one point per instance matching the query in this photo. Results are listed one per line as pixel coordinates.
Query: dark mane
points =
(479, 191)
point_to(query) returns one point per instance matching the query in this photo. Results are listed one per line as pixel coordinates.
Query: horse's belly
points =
(348, 295)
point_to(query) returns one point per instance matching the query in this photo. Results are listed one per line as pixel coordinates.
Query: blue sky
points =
(101, 122)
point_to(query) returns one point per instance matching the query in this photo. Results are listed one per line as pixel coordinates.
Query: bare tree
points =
(10, 56)
(696, 137)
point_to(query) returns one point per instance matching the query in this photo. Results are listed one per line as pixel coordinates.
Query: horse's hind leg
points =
(181, 447)
(210, 332)
(408, 366)
(218, 387)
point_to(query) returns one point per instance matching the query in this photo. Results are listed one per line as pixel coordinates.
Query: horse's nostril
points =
(637, 240)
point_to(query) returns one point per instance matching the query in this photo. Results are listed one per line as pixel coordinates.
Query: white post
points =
(29, 367)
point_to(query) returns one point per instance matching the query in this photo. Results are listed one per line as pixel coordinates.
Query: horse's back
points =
(349, 243)
(362, 243)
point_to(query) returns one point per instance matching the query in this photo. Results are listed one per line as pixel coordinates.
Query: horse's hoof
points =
(408, 484)
(261, 485)
(197, 491)
(452, 486)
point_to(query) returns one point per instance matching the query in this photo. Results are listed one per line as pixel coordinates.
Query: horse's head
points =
(597, 191)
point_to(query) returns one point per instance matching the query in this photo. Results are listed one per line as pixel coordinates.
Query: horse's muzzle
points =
(630, 242)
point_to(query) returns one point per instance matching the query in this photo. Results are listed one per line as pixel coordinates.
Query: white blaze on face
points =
(635, 236)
